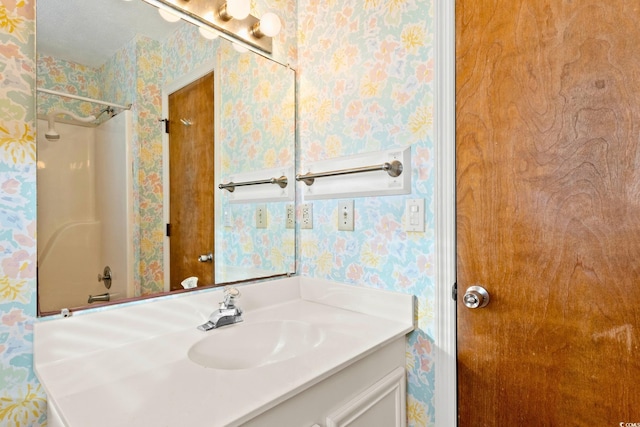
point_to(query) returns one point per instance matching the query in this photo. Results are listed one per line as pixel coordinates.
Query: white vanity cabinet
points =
(369, 393)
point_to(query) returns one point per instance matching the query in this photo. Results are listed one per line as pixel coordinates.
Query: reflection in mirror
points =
(257, 128)
(105, 178)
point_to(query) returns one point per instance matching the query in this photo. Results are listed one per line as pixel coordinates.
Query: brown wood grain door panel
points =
(191, 168)
(548, 211)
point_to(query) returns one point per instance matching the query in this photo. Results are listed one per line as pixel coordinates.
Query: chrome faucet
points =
(227, 314)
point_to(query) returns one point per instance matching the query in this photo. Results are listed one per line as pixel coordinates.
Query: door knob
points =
(476, 297)
(206, 258)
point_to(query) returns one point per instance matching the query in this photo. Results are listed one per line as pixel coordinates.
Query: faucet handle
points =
(230, 294)
(230, 290)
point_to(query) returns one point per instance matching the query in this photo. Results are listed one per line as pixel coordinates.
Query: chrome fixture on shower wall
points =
(227, 17)
(105, 277)
(51, 134)
(99, 298)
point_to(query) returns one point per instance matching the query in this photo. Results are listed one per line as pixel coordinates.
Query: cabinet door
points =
(382, 404)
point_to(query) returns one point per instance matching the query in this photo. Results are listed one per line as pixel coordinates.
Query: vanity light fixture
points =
(227, 18)
(239, 48)
(234, 9)
(207, 33)
(269, 25)
(168, 16)
(205, 30)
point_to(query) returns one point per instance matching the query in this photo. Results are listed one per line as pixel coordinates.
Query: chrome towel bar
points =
(231, 186)
(393, 168)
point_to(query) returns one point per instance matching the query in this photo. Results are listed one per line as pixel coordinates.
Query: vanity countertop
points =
(128, 366)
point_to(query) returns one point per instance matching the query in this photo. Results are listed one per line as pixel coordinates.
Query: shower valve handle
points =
(105, 277)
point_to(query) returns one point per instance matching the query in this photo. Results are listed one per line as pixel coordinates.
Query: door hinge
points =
(454, 292)
(166, 125)
(168, 230)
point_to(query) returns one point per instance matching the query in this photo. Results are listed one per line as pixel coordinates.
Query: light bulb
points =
(239, 48)
(270, 24)
(207, 33)
(168, 16)
(239, 9)
(209, 16)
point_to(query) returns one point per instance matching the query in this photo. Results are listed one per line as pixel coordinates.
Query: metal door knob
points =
(476, 297)
(206, 258)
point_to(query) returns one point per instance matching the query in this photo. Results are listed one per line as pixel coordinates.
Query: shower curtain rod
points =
(82, 98)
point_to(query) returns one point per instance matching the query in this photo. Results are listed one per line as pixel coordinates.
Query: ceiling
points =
(89, 32)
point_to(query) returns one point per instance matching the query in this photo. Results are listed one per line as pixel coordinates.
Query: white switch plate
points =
(290, 216)
(414, 215)
(261, 216)
(307, 216)
(345, 215)
(227, 220)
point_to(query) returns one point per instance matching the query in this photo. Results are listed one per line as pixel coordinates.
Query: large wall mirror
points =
(140, 201)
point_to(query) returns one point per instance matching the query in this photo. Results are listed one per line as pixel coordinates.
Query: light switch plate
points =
(261, 216)
(226, 214)
(414, 215)
(345, 215)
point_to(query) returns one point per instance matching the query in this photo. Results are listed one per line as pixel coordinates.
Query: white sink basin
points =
(244, 346)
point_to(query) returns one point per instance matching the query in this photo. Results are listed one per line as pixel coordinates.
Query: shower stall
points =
(85, 214)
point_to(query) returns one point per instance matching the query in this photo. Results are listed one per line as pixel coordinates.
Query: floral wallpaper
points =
(257, 132)
(68, 77)
(364, 83)
(185, 50)
(148, 152)
(365, 72)
(22, 400)
(129, 77)
(136, 74)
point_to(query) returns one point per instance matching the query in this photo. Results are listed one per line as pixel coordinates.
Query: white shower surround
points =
(85, 192)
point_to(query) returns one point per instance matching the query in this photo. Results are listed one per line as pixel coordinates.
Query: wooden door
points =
(548, 211)
(191, 150)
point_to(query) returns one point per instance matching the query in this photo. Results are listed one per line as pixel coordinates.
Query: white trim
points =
(167, 90)
(444, 129)
(128, 115)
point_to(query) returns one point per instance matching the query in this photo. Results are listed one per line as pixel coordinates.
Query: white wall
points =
(68, 232)
(84, 212)
(114, 201)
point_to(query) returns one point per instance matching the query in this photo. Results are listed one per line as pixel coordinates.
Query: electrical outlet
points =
(290, 218)
(414, 215)
(307, 216)
(261, 216)
(345, 215)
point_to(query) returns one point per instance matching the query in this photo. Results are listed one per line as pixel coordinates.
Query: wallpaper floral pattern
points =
(129, 77)
(22, 401)
(257, 132)
(364, 79)
(365, 72)
(68, 77)
(136, 74)
(146, 85)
